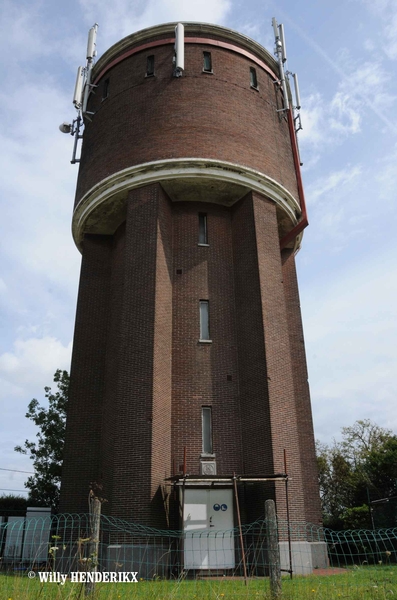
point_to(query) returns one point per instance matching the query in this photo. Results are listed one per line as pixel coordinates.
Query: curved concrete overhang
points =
(102, 209)
(168, 30)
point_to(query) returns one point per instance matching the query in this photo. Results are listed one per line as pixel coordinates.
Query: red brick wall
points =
(142, 405)
(198, 115)
(161, 414)
(200, 371)
(140, 376)
(283, 418)
(84, 414)
(113, 351)
(301, 390)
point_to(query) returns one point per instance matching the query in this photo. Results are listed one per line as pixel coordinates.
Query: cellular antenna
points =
(282, 39)
(281, 57)
(179, 58)
(81, 93)
(297, 94)
(91, 44)
(275, 28)
(78, 89)
(280, 50)
(91, 53)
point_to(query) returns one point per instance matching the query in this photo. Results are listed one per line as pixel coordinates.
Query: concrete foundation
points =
(306, 557)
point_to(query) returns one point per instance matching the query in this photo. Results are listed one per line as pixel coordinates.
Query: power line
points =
(16, 471)
(8, 490)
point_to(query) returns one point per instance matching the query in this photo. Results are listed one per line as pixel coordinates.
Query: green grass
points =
(360, 583)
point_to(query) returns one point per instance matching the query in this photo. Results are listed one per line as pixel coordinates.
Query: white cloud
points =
(386, 10)
(386, 178)
(344, 118)
(362, 91)
(350, 331)
(123, 17)
(338, 179)
(22, 27)
(369, 45)
(33, 361)
(327, 123)
(24, 372)
(37, 156)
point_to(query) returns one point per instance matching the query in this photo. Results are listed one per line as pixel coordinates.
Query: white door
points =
(208, 529)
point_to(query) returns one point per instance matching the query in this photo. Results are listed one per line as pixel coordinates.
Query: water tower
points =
(189, 364)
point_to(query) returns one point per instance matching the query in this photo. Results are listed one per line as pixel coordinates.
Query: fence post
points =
(273, 549)
(93, 547)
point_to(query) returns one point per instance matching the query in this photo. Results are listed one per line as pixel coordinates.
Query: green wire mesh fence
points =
(51, 557)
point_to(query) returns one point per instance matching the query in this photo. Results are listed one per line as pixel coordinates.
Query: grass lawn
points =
(360, 583)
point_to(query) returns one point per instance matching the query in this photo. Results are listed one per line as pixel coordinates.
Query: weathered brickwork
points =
(84, 432)
(216, 116)
(140, 373)
(200, 369)
(301, 389)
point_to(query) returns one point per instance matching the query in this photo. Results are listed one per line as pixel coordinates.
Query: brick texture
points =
(83, 432)
(140, 374)
(301, 389)
(198, 115)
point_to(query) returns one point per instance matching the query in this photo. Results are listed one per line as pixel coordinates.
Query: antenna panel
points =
(91, 45)
(78, 89)
(285, 93)
(282, 38)
(275, 28)
(180, 47)
(297, 94)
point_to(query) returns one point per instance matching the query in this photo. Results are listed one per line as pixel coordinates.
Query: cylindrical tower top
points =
(208, 133)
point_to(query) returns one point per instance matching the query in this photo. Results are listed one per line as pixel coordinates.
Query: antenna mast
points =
(91, 54)
(281, 57)
(281, 54)
(81, 93)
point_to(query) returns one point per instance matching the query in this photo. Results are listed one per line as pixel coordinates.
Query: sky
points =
(345, 54)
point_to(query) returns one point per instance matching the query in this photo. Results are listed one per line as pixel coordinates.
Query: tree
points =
(356, 471)
(12, 505)
(47, 452)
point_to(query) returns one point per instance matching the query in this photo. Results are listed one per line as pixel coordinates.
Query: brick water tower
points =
(188, 357)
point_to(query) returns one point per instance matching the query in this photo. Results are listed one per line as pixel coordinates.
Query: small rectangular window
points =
(150, 66)
(204, 320)
(206, 418)
(207, 62)
(253, 79)
(203, 237)
(105, 92)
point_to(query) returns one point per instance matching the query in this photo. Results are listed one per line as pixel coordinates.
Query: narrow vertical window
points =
(206, 418)
(105, 92)
(253, 79)
(203, 237)
(207, 62)
(150, 66)
(204, 320)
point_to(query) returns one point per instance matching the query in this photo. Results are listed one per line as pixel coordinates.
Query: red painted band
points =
(303, 222)
(188, 40)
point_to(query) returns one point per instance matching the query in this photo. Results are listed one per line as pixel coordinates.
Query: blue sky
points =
(345, 53)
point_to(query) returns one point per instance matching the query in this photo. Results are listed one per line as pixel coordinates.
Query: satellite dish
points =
(65, 127)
